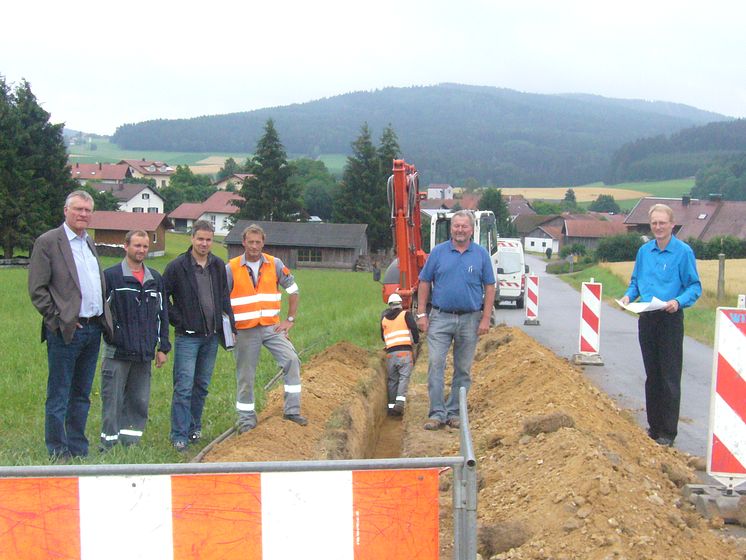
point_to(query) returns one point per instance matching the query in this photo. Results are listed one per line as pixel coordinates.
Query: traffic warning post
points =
(726, 450)
(532, 300)
(589, 340)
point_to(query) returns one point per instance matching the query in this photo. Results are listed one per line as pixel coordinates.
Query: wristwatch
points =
(291, 319)
(421, 315)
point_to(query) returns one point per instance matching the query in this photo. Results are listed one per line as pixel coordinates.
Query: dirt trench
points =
(563, 472)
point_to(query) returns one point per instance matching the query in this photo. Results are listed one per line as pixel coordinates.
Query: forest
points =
(453, 132)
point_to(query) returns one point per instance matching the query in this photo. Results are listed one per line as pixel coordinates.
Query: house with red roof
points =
(133, 197)
(109, 229)
(110, 173)
(159, 171)
(217, 210)
(699, 219)
(235, 180)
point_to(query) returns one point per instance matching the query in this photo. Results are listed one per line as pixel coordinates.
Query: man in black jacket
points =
(197, 289)
(135, 295)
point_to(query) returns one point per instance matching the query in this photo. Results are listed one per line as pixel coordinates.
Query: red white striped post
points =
(589, 341)
(532, 300)
(726, 449)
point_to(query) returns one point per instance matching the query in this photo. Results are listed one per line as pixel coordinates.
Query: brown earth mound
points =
(563, 473)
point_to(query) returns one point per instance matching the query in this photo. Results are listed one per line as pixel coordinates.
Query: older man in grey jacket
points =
(66, 285)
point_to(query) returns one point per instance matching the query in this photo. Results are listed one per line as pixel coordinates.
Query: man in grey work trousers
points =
(254, 279)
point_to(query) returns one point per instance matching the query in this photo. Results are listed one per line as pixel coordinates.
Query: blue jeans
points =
(446, 329)
(71, 371)
(194, 360)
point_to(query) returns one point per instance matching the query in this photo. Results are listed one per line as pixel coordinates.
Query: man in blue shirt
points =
(665, 268)
(459, 274)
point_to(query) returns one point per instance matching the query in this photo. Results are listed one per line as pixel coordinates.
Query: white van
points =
(511, 271)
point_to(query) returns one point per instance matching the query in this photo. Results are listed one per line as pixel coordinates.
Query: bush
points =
(731, 247)
(548, 253)
(574, 249)
(619, 248)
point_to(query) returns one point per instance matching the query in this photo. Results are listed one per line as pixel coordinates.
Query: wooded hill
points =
(681, 154)
(451, 132)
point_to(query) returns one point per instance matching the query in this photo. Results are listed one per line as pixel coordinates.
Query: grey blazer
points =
(54, 286)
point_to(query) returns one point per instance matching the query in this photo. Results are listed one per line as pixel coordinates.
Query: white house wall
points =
(150, 203)
(220, 221)
(540, 245)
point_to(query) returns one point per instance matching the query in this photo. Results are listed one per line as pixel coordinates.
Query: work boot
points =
(398, 408)
(194, 437)
(297, 418)
(180, 446)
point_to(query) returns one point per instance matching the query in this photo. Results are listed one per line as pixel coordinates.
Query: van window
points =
(510, 262)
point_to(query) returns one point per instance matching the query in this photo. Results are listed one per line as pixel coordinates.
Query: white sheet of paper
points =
(639, 307)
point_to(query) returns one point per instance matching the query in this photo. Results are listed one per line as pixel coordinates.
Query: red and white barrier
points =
(726, 450)
(532, 300)
(348, 515)
(589, 341)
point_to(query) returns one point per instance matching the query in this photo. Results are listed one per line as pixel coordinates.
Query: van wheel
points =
(519, 303)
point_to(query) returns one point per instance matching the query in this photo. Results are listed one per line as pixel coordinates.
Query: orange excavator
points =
(404, 200)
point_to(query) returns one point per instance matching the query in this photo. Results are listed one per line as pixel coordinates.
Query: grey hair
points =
(464, 213)
(78, 194)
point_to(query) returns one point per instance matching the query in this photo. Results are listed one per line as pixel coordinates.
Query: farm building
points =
(109, 173)
(235, 180)
(109, 228)
(700, 219)
(306, 244)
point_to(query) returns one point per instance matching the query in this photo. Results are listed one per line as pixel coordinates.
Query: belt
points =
(89, 320)
(455, 311)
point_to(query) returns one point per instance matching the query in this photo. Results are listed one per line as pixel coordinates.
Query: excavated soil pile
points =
(563, 473)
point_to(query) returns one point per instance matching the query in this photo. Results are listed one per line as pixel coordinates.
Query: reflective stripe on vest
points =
(396, 332)
(252, 305)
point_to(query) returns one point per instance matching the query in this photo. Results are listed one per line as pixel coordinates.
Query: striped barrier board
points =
(532, 300)
(590, 318)
(726, 450)
(346, 515)
(589, 339)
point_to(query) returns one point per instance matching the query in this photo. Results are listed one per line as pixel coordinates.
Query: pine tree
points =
(268, 195)
(34, 175)
(492, 199)
(358, 199)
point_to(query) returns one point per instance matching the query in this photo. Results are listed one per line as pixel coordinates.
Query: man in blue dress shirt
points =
(459, 274)
(665, 268)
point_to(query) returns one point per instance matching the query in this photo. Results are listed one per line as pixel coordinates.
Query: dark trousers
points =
(71, 370)
(661, 336)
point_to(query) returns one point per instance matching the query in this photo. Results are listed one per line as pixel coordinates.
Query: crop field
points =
(334, 306)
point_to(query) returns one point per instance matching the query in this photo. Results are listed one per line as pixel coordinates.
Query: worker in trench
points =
(399, 333)
(254, 279)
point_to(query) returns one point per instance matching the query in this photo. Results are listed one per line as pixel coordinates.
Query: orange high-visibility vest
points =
(252, 305)
(396, 332)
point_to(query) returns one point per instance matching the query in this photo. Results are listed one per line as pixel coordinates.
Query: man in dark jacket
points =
(399, 333)
(135, 295)
(197, 289)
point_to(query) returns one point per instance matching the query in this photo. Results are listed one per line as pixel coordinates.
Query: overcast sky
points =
(95, 65)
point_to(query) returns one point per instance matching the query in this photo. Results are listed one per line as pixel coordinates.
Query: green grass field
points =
(334, 306)
(106, 152)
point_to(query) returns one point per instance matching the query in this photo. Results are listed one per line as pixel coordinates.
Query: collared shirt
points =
(204, 293)
(89, 276)
(458, 279)
(284, 277)
(667, 274)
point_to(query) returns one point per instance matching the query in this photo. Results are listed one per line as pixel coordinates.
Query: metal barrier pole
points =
(466, 476)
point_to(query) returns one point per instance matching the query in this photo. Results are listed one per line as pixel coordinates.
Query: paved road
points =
(622, 376)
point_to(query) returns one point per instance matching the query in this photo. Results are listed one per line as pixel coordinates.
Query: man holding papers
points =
(665, 270)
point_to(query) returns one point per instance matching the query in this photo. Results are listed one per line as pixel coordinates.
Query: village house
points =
(235, 180)
(133, 197)
(694, 218)
(437, 191)
(217, 209)
(159, 171)
(305, 244)
(109, 173)
(109, 229)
